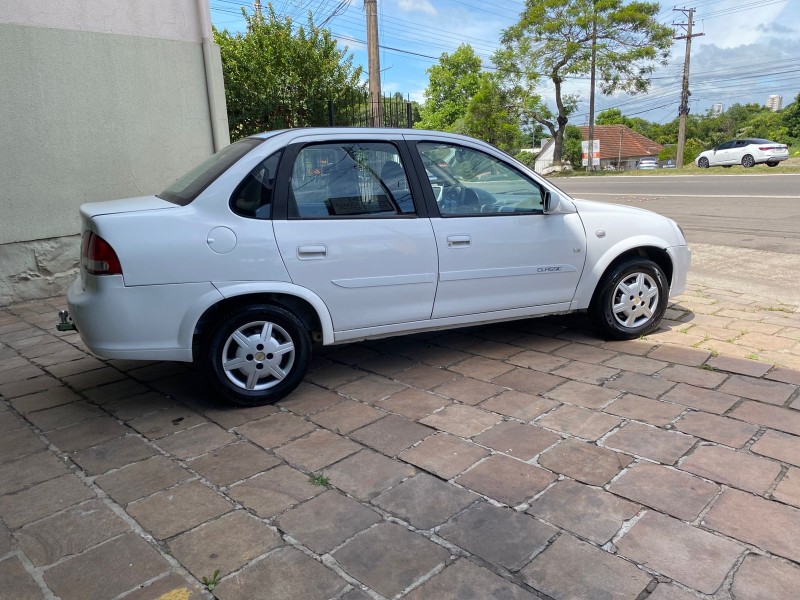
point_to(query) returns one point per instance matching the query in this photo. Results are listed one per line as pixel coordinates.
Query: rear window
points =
(189, 187)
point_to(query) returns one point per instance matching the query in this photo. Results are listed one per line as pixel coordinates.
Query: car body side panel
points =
(138, 323)
(188, 256)
(232, 289)
(353, 335)
(608, 229)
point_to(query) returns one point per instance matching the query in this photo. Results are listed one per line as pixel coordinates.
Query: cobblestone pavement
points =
(513, 461)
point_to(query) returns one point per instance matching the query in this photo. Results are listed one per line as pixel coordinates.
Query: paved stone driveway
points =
(512, 461)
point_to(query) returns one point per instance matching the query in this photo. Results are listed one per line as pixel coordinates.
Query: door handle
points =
(458, 241)
(312, 252)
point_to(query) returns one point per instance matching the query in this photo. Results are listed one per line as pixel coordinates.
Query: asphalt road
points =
(744, 230)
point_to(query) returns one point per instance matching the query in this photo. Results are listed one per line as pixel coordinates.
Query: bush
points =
(526, 158)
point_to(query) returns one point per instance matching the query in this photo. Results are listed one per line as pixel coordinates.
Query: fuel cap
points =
(221, 240)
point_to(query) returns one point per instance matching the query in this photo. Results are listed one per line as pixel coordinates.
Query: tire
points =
(748, 161)
(248, 349)
(703, 162)
(630, 300)
(772, 163)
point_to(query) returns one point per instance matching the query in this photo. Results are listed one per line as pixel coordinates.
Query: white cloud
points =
(416, 6)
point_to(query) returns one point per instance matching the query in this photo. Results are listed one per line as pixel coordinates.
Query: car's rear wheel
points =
(257, 354)
(630, 299)
(772, 163)
(703, 162)
(748, 161)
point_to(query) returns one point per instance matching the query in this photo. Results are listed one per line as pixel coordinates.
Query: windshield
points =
(187, 188)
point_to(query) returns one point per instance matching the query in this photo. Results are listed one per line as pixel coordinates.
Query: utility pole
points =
(683, 110)
(373, 62)
(257, 9)
(591, 90)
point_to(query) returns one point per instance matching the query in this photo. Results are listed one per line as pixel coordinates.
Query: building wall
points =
(101, 99)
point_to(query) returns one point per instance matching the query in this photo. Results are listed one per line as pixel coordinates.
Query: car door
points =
(352, 232)
(737, 152)
(497, 248)
(721, 154)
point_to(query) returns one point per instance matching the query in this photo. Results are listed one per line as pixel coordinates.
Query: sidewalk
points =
(518, 461)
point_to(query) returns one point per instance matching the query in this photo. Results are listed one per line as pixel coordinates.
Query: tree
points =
(490, 117)
(572, 145)
(612, 116)
(280, 76)
(452, 84)
(554, 39)
(791, 118)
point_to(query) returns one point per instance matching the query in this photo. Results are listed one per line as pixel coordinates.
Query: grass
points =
(319, 479)
(211, 582)
(777, 309)
(788, 166)
(752, 356)
(706, 367)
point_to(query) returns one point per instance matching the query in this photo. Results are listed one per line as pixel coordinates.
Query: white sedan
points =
(296, 238)
(747, 152)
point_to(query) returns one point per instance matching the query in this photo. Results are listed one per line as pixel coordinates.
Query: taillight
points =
(98, 256)
(763, 148)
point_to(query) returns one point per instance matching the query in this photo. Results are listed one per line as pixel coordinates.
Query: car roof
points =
(345, 131)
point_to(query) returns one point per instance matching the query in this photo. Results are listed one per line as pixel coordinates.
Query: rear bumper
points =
(153, 322)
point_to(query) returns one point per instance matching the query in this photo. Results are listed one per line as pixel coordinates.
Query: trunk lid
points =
(111, 207)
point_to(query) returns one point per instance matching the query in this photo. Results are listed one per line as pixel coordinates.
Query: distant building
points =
(717, 109)
(620, 148)
(775, 102)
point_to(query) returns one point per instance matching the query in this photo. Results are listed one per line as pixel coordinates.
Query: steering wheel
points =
(452, 197)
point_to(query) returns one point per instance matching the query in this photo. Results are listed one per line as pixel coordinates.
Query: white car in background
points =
(747, 152)
(322, 236)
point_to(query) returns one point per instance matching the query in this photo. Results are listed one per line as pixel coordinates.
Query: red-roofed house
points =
(620, 147)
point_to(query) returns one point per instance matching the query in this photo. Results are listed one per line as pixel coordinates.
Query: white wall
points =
(101, 99)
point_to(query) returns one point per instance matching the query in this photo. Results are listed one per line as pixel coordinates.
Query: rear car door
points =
(497, 248)
(352, 233)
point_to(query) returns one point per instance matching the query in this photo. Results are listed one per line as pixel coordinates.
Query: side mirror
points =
(551, 202)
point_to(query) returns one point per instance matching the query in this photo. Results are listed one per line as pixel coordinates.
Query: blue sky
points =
(750, 48)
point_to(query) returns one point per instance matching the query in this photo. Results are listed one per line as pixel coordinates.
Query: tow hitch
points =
(65, 321)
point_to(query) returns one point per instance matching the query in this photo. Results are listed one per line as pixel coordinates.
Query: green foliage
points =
(691, 149)
(279, 75)
(572, 145)
(490, 117)
(526, 158)
(211, 582)
(554, 39)
(612, 116)
(319, 479)
(451, 86)
(791, 118)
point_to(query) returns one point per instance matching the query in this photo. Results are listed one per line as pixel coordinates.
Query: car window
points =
(741, 143)
(466, 181)
(191, 185)
(353, 179)
(725, 146)
(253, 197)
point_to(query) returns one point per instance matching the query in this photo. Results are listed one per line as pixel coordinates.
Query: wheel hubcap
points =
(258, 356)
(635, 300)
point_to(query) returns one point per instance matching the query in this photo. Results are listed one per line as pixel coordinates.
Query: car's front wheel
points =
(630, 299)
(748, 161)
(702, 162)
(772, 163)
(257, 354)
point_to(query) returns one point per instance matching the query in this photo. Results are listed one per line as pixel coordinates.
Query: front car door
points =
(352, 232)
(497, 249)
(723, 154)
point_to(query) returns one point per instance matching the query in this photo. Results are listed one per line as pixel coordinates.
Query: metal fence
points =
(353, 109)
